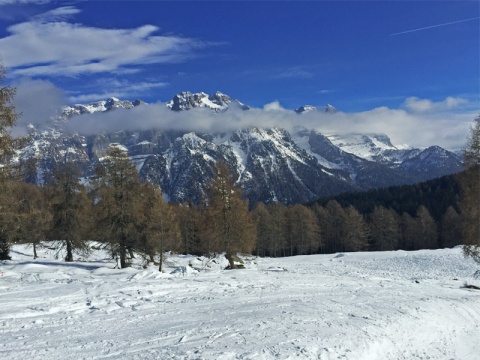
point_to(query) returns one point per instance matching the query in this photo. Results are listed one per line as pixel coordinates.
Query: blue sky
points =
(357, 55)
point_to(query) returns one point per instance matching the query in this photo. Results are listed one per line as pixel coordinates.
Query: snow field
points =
(391, 305)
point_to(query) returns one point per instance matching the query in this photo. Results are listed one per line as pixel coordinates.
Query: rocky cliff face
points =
(269, 164)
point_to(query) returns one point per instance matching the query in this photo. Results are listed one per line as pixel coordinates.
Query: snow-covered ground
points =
(391, 305)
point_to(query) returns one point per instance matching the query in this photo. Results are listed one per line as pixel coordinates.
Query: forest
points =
(129, 216)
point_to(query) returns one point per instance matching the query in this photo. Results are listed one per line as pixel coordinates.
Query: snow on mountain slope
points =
(217, 102)
(361, 172)
(99, 106)
(374, 147)
(269, 164)
(433, 161)
(353, 306)
(278, 169)
(307, 108)
(302, 138)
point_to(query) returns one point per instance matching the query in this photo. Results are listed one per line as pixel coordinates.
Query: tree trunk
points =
(123, 257)
(186, 241)
(130, 252)
(160, 265)
(69, 257)
(4, 251)
(35, 250)
(230, 260)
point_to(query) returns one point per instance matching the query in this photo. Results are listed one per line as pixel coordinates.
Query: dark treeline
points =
(436, 195)
(298, 230)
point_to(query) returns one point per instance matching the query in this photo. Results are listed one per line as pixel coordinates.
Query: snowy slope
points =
(374, 147)
(392, 305)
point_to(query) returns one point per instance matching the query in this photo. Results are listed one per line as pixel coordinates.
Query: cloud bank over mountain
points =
(37, 102)
(417, 122)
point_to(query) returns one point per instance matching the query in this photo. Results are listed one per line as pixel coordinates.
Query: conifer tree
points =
(334, 227)
(427, 233)
(71, 210)
(119, 207)
(409, 233)
(450, 229)
(322, 218)
(228, 226)
(8, 117)
(470, 202)
(188, 221)
(303, 232)
(278, 229)
(34, 215)
(384, 230)
(263, 221)
(356, 230)
(161, 228)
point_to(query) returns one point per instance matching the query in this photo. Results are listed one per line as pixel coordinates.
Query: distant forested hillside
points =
(436, 195)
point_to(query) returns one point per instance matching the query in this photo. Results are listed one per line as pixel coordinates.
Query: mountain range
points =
(269, 164)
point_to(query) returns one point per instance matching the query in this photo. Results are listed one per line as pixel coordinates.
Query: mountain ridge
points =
(270, 164)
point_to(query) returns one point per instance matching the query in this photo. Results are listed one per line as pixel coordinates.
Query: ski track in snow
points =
(392, 305)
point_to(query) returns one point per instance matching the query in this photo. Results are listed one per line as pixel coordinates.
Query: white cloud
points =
(293, 73)
(37, 101)
(273, 106)
(417, 105)
(419, 130)
(117, 88)
(326, 91)
(58, 14)
(23, 2)
(46, 47)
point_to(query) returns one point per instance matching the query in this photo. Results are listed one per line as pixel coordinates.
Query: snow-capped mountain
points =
(374, 147)
(99, 106)
(269, 164)
(307, 108)
(217, 102)
(432, 162)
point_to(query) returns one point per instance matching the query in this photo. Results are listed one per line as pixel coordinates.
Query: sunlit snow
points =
(390, 305)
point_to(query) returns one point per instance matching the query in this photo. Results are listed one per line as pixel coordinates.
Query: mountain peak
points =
(305, 108)
(217, 102)
(330, 109)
